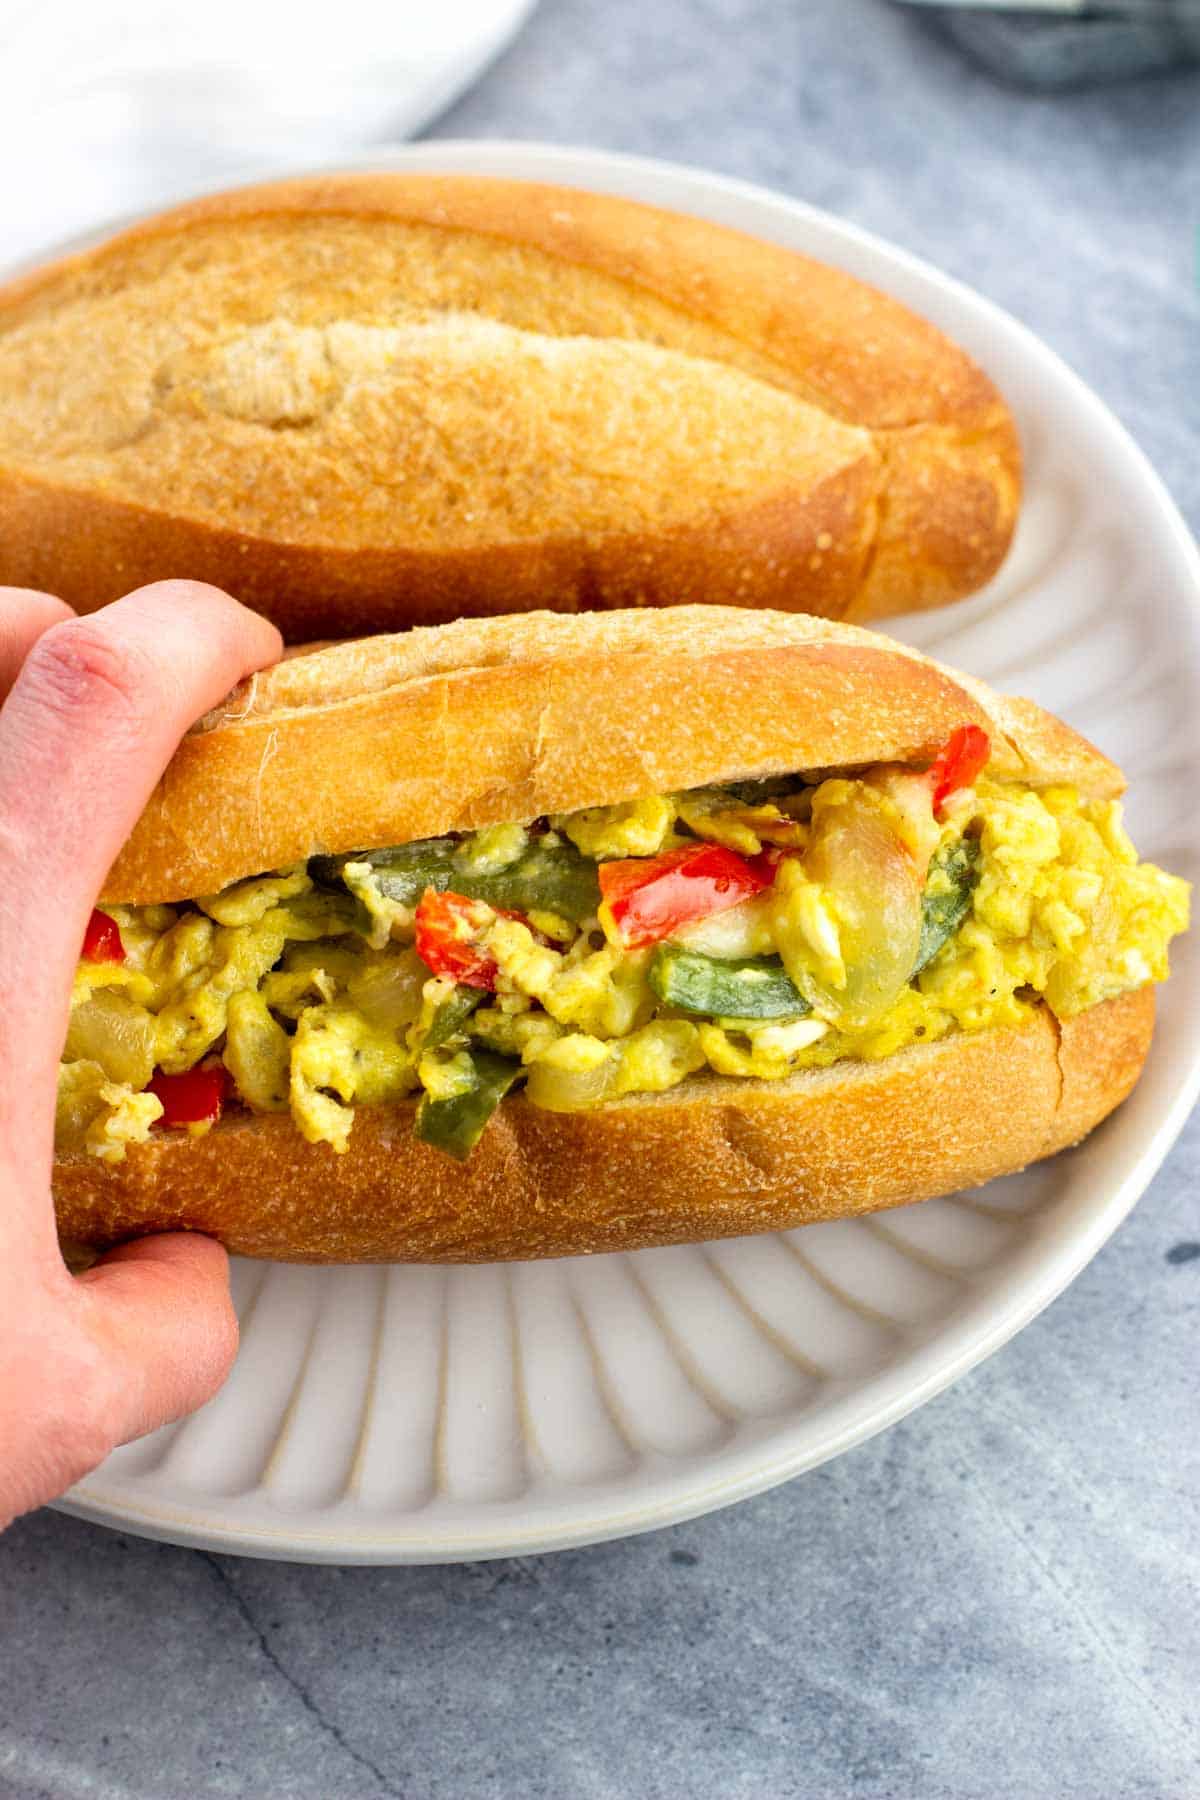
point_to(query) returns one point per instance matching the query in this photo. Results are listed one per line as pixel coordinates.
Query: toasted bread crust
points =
(712, 1158)
(395, 738)
(847, 458)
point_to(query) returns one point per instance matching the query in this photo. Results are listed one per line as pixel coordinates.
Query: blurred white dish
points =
(426, 1415)
(128, 106)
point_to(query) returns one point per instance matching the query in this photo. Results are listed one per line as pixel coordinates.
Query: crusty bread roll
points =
(459, 726)
(394, 738)
(367, 401)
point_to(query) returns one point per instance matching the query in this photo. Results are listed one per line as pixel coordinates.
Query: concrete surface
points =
(997, 1597)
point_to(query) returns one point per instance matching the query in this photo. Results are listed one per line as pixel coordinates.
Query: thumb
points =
(161, 1312)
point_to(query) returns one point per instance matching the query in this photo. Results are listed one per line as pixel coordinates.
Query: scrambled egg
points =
(637, 828)
(316, 1000)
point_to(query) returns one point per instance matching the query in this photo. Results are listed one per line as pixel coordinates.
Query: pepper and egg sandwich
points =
(550, 934)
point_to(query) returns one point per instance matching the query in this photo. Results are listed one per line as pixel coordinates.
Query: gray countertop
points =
(998, 1596)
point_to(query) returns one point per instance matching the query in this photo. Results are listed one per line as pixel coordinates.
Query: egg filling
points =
(752, 930)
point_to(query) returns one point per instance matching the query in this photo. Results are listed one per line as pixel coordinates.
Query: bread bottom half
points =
(714, 1157)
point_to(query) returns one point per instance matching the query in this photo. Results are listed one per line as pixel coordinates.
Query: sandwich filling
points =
(752, 930)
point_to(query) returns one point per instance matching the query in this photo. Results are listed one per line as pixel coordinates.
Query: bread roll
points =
(390, 739)
(363, 402)
(459, 726)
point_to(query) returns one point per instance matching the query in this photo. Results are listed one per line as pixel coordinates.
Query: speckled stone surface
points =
(998, 1596)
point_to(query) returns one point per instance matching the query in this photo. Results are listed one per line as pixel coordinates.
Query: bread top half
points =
(443, 369)
(387, 739)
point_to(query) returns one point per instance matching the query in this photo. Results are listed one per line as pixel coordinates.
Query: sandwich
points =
(550, 935)
(364, 402)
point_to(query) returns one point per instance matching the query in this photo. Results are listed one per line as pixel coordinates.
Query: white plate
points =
(424, 1415)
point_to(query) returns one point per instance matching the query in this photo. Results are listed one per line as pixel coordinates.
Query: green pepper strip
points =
(451, 1016)
(456, 1125)
(553, 879)
(753, 987)
(942, 914)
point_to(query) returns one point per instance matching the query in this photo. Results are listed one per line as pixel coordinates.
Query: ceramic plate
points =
(428, 1415)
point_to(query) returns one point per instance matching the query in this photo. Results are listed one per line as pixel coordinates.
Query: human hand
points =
(95, 707)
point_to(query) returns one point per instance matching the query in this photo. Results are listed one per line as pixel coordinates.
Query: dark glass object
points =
(1060, 49)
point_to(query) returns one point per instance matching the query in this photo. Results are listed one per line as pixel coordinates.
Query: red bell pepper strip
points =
(102, 939)
(193, 1098)
(448, 927)
(649, 897)
(959, 762)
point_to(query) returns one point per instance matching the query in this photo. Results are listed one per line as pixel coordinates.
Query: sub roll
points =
(362, 402)
(551, 935)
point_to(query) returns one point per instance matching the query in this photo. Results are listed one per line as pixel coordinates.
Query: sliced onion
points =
(573, 1090)
(112, 1030)
(743, 930)
(871, 884)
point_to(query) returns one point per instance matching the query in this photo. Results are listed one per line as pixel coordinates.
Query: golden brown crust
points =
(1100, 1056)
(480, 722)
(712, 1158)
(845, 455)
(805, 553)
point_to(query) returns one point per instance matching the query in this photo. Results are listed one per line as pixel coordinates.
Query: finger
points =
(92, 720)
(160, 1311)
(24, 614)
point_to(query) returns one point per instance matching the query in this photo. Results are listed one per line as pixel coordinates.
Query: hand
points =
(94, 709)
